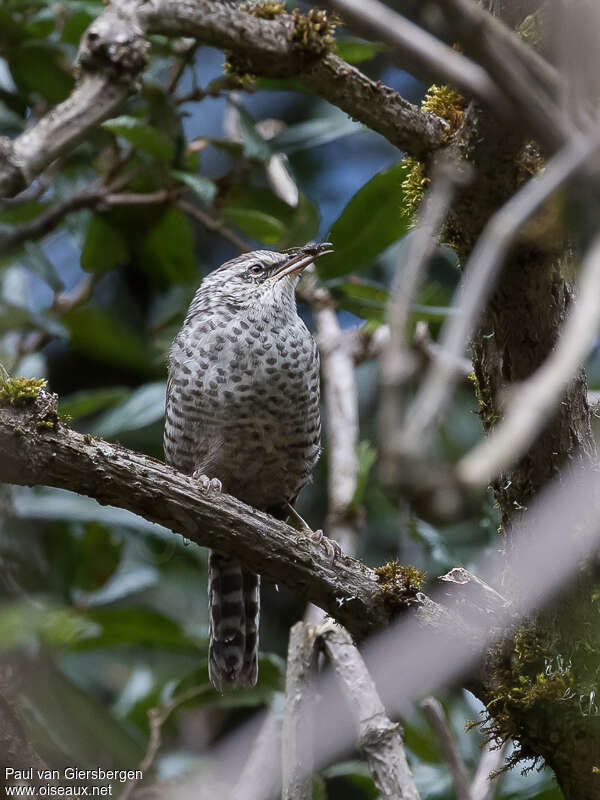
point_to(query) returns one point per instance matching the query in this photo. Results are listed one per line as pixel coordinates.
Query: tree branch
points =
(37, 449)
(97, 196)
(113, 52)
(485, 781)
(341, 401)
(434, 712)
(299, 715)
(379, 738)
(111, 56)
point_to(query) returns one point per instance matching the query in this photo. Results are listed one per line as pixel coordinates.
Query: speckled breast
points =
(243, 403)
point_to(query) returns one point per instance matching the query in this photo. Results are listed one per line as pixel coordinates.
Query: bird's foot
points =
(331, 547)
(206, 484)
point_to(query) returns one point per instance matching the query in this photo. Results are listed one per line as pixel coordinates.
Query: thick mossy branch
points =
(449, 105)
(533, 689)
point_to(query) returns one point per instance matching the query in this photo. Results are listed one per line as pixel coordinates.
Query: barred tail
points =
(234, 606)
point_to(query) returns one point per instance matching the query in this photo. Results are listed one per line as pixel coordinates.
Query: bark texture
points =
(532, 682)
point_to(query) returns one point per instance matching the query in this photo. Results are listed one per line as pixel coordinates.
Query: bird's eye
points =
(255, 269)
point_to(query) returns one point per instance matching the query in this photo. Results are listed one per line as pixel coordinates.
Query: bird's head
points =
(263, 275)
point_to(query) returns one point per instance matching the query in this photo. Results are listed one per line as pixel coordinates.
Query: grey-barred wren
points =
(243, 413)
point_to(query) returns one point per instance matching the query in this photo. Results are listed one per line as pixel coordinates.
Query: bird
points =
(243, 416)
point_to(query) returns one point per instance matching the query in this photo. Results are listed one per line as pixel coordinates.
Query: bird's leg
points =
(331, 547)
(206, 484)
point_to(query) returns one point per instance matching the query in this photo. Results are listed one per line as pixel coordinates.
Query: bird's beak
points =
(301, 258)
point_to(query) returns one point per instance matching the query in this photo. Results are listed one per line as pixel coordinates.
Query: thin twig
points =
(298, 716)
(157, 717)
(436, 717)
(341, 403)
(422, 344)
(178, 68)
(486, 780)
(49, 219)
(536, 398)
(364, 343)
(343, 522)
(480, 274)
(138, 198)
(379, 738)
(96, 195)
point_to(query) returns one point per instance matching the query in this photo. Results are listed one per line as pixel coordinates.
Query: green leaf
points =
(256, 147)
(367, 455)
(319, 788)
(58, 504)
(366, 300)
(82, 403)
(143, 407)
(302, 225)
(24, 212)
(98, 556)
(128, 579)
(134, 626)
(265, 217)
(260, 226)
(107, 339)
(38, 68)
(235, 149)
(315, 132)
(373, 219)
(417, 737)
(75, 26)
(355, 772)
(41, 25)
(14, 318)
(104, 248)
(63, 718)
(23, 624)
(167, 251)
(203, 187)
(355, 52)
(142, 136)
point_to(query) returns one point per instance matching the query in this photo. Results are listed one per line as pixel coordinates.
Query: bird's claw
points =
(206, 484)
(331, 547)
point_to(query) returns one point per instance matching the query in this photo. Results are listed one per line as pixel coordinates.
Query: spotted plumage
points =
(243, 407)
